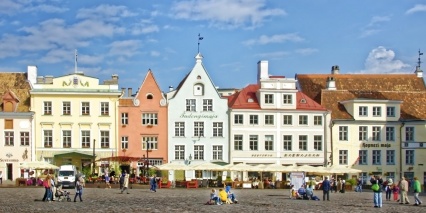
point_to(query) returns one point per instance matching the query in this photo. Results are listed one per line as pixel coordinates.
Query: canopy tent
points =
(339, 169)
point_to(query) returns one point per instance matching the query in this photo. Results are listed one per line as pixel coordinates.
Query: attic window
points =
(250, 100)
(199, 77)
(149, 96)
(303, 101)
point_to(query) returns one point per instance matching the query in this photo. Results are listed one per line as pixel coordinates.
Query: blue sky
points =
(129, 37)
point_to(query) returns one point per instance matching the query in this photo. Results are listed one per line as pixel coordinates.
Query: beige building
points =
(16, 123)
(75, 118)
(378, 121)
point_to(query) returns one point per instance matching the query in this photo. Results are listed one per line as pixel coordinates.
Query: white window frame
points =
(207, 105)
(198, 152)
(287, 99)
(217, 152)
(303, 143)
(287, 119)
(238, 142)
(269, 98)
(105, 139)
(198, 129)
(124, 142)
(179, 129)
(217, 129)
(287, 142)
(124, 118)
(47, 107)
(269, 143)
(104, 108)
(66, 138)
(179, 152)
(303, 120)
(318, 142)
(85, 108)
(66, 108)
(191, 105)
(152, 142)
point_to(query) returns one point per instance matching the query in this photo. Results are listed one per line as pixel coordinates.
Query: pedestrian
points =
(388, 188)
(326, 189)
(79, 189)
(376, 182)
(107, 180)
(342, 190)
(77, 176)
(125, 182)
(47, 192)
(1, 177)
(359, 185)
(403, 188)
(52, 188)
(153, 184)
(121, 180)
(417, 190)
(395, 191)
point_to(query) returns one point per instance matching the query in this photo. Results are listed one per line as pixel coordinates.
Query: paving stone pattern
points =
(140, 199)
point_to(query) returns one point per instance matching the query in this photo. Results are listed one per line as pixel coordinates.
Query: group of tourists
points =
(225, 196)
(52, 190)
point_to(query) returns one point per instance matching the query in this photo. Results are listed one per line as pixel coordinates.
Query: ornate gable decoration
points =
(75, 82)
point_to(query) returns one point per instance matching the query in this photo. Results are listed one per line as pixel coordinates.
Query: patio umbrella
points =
(339, 169)
(173, 166)
(242, 167)
(307, 168)
(278, 168)
(37, 165)
(208, 166)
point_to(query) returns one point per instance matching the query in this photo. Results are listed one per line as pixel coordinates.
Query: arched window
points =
(198, 89)
(149, 96)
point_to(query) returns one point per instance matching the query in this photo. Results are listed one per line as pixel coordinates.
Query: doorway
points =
(9, 171)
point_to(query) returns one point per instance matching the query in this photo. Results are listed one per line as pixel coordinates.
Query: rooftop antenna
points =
(199, 39)
(75, 64)
(419, 61)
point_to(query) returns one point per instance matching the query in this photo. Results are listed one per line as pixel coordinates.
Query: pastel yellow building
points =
(75, 118)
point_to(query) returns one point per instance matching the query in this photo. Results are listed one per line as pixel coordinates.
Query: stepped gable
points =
(19, 86)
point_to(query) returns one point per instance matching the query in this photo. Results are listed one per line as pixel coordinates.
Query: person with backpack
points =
(377, 183)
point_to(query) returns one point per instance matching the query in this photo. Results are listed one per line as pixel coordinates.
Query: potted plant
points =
(228, 181)
(350, 183)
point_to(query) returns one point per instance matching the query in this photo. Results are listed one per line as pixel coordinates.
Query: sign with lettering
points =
(303, 155)
(261, 155)
(197, 116)
(376, 145)
(8, 160)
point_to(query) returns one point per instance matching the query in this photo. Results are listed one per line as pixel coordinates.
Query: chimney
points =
(40, 80)
(32, 74)
(48, 79)
(331, 83)
(419, 72)
(170, 88)
(129, 92)
(262, 70)
(335, 69)
(123, 91)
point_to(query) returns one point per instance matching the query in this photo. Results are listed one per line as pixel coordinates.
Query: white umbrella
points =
(307, 168)
(278, 168)
(173, 166)
(339, 169)
(208, 166)
(242, 167)
(37, 165)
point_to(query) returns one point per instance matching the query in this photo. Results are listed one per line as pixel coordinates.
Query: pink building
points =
(143, 130)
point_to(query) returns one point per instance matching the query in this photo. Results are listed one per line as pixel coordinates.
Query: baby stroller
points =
(62, 194)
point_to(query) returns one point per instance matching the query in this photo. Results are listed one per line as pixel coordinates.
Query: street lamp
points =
(147, 160)
(188, 161)
(94, 157)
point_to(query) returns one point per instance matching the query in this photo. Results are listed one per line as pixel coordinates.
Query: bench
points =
(192, 184)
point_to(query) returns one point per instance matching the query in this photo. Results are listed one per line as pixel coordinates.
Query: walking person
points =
(153, 184)
(395, 191)
(1, 177)
(78, 189)
(403, 187)
(417, 190)
(377, 182)
(388, 189)
(125, 182)
(48, 191)
(326, 189)
(359, 185)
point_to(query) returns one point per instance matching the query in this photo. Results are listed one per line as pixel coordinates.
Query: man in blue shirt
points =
(326, 189)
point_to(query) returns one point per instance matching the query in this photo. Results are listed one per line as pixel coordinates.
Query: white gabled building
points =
(198, 123)
(271, 122)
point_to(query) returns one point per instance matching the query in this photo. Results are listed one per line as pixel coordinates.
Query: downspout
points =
(331, 142)
(325, 138)
(400, 149)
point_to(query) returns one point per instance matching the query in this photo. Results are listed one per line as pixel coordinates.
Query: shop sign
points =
(376, 145)
(8, 160)
(197, 116)
(261, 155)
(298, 155)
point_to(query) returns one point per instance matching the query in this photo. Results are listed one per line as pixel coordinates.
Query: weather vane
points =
(419, 62)
(199, 39)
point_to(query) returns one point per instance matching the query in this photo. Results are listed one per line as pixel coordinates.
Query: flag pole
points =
(75, 62)
(199, 39)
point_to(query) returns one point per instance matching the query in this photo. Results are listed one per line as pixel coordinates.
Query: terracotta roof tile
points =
(18, 84)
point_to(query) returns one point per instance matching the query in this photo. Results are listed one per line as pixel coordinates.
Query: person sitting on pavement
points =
(301, 193)
(223, 196)
(214, 199)
(230, 194)
(310, 192)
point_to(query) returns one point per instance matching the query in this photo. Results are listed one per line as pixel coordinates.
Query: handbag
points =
(375, 187)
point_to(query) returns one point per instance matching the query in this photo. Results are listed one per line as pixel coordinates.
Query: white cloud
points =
(105, 12)
(9, 7)
(264, 39)
(374, 26)
(126, 48)
(45, 8)
(273, 55)
(144, 29)
(306, 51)
(416, 8)
(382, 60)
(155, 53)
(224, 13)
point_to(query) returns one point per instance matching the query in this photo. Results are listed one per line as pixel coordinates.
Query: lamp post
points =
(147, 160)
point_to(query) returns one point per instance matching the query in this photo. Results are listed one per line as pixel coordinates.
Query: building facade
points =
(143, 126)
(271, 122)
(198, 123)
(378, 120)
(16, 122)
(75, 119)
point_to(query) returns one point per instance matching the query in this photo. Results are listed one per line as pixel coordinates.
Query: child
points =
(230, 194)
(293, 192)
(395, 190)
(214, 199)
(223, 196)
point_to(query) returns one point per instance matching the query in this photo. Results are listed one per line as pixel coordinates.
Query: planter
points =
(349, 187)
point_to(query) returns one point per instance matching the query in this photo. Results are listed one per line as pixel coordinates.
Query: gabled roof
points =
(312, 84)
(19, 86)
(403, 87)
(240, 100)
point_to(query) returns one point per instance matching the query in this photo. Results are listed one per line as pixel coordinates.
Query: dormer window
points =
(390, 111)
(303, 101)
(149, 96)
(287, 99)
(198, 89)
